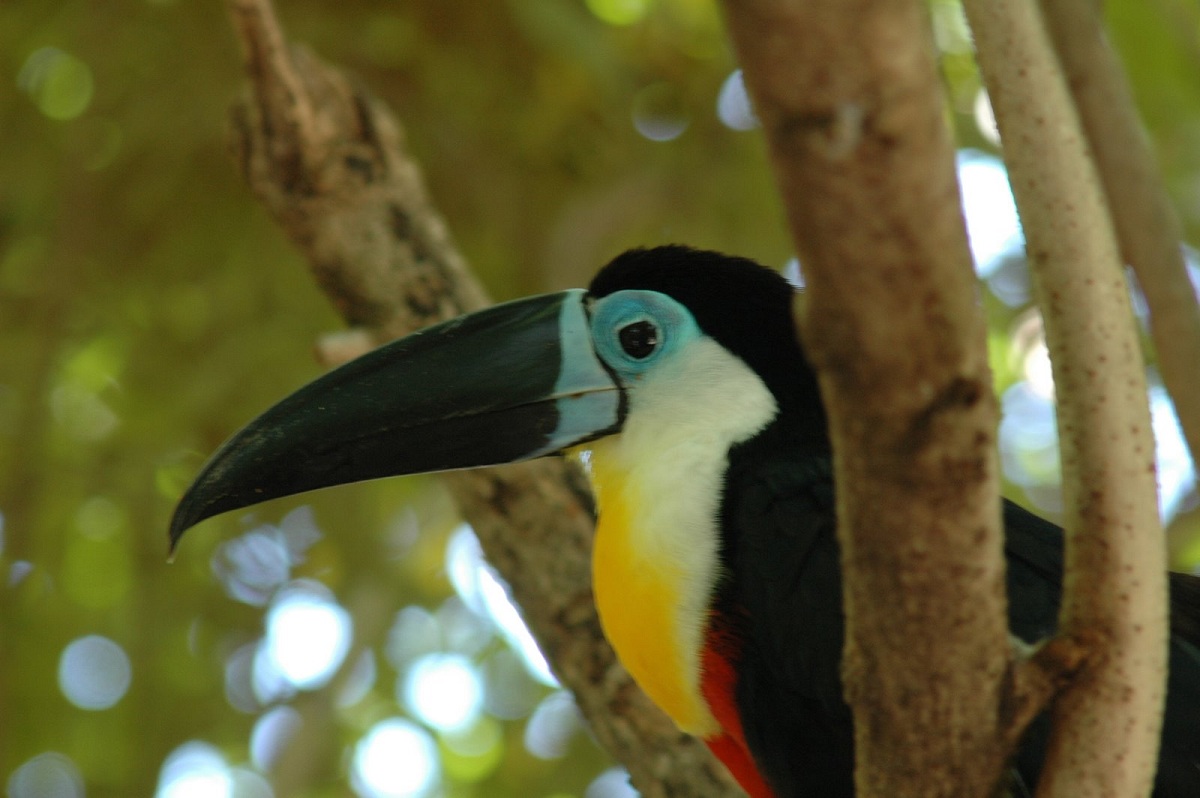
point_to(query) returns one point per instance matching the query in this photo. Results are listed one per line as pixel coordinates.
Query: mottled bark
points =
(327, 160)
(1107, 720)
(852, 109)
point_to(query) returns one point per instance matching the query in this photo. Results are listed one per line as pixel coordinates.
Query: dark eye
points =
(638, 339)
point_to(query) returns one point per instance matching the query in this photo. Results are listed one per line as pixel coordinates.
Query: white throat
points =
(659, 485)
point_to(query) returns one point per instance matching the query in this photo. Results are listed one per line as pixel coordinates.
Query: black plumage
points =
(780, 597)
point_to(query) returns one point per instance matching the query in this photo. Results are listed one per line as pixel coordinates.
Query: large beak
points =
(513, 382)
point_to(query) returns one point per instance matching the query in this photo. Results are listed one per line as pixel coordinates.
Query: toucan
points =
(678, 380)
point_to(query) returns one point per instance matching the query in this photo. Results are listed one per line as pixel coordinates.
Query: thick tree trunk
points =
(852, 110)
(327, 161)
(851, 105)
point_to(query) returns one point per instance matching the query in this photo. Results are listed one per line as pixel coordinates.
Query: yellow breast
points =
(642, 598)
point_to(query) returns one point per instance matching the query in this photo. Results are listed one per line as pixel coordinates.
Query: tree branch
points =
(327, 161)
(1147, 227)
(1115, 554)
(851, 105)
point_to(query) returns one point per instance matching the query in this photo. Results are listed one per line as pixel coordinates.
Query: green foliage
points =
(148, 307)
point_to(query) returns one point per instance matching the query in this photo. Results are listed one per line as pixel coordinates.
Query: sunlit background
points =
(354, 642)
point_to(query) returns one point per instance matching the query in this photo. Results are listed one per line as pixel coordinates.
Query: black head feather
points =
(742, 305)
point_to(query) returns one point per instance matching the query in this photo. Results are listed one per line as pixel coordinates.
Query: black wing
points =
(784, 583)
(1035, 564)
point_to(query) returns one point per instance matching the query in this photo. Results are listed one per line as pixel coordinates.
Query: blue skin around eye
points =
(675, 325)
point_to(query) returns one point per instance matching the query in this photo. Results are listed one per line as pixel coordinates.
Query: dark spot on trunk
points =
(402, 227)
(361, 166)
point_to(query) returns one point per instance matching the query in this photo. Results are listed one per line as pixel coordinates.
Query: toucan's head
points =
(522, 380)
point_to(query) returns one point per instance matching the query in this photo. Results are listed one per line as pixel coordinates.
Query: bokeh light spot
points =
(60, 84)
(266, 680)
(252, 566)
(464, 631)
(985, 118)
(271, 735)
(549, 730)
(248, 784)
(618, 12)
(612, 783)
(472, 754)
(100, 518)
(1176, 469)
(48, 775)
(659, 113)
(414, 633)
(94, 672)
(359, 681)
(241, 691)
(308, 634)
(18, 571)
(792, 272)
(444, 691)
(734, 108)
(483, 591)
(82, 414)
(395, 759)
(195, 770)
(510, 692)
(989, 208)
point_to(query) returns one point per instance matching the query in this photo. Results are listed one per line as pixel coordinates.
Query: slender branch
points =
(1148, 229)
(851, 105)
(1115, 554)
(327, 161)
